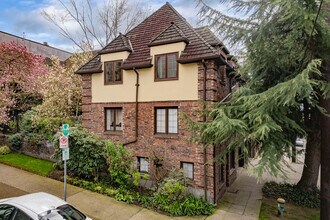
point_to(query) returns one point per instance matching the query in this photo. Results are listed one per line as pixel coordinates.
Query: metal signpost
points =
(64, 145)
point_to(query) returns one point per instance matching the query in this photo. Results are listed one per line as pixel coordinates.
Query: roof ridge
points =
(193, 29)
(22, 38)
(182, 36)
(125, 40)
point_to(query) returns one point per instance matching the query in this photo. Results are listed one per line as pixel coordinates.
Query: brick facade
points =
(171, 149)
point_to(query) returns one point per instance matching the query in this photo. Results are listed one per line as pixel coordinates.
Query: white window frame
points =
(188, 169)
(108, 112)
(143, 164)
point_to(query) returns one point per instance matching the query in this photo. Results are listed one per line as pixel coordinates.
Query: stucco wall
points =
(185, 88)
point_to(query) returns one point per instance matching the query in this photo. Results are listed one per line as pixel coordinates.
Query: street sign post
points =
(65, 130)
(65, 154)
(64, 144)
(64, 141)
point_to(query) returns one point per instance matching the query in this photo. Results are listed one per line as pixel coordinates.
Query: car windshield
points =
(64, 212)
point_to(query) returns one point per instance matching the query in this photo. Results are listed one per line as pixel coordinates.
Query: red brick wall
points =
(171, 148)
(217, 82)
(87, 100)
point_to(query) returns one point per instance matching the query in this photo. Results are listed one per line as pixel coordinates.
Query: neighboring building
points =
(138, 87)
(35, 47)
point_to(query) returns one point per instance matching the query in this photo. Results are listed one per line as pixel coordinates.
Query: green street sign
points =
(65, 129)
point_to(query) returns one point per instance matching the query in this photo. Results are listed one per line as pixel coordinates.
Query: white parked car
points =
(38, 206)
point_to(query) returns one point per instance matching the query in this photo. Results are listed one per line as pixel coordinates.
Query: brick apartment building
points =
(137, 88)
(34, 47)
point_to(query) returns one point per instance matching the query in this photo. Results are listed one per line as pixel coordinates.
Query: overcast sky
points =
(23, 18)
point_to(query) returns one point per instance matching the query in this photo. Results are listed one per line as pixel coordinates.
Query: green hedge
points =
(291, 193)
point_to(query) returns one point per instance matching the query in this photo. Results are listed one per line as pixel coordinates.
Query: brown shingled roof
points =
(92, 66)
(165, 25)
(171, 34)
(120, 43)
(209, 36)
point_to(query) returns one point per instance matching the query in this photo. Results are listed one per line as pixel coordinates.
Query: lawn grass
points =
(28, 163)
(268, 211)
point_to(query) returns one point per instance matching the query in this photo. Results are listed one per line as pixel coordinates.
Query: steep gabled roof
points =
(120, 43)
(210, 38)
(92, 66)
(171, 34)
(164, 26)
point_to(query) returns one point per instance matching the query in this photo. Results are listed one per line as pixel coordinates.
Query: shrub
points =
(124, 196)
(120, 165)
(172, 188)
(86, 154)
(47, 127)
(34, 139)
(4, 150)
(189, 206)
(291, 193)
(15, 141)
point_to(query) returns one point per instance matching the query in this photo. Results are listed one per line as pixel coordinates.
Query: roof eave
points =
(195, 59)
(136, 66)
(177, 40)
(89, 71)
(115, 51)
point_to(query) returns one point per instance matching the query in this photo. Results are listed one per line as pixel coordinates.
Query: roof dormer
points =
(172, 34)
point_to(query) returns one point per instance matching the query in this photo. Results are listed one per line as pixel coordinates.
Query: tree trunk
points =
(325, 154)
(310, 174)
(325, 142)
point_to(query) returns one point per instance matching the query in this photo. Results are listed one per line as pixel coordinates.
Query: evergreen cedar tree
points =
(283, 49)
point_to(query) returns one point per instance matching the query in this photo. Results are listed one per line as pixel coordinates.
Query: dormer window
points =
(166, 67)
(113, 72)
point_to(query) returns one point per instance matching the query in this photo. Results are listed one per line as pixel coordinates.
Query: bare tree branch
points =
(93, 24)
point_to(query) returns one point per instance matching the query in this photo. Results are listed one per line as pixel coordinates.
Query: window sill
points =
(166, 79)
(114, 132)
(166, 136)
(113, 83)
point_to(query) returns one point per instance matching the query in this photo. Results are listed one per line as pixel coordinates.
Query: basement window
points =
(188, 169)
(143, 164)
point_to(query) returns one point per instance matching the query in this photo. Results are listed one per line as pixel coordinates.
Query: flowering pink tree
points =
(19, 74)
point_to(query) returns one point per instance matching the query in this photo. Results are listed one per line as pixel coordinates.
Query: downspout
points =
(204, 120)
(136, 108)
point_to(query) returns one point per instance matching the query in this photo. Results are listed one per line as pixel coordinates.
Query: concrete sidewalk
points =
(242, 201)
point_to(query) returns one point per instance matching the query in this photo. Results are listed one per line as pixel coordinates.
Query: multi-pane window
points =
(143, 165)
(113, 72)
(166, 66)
(231, 160)
(113, 119)
(166, 120)
(188, 169)
(221, 174)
